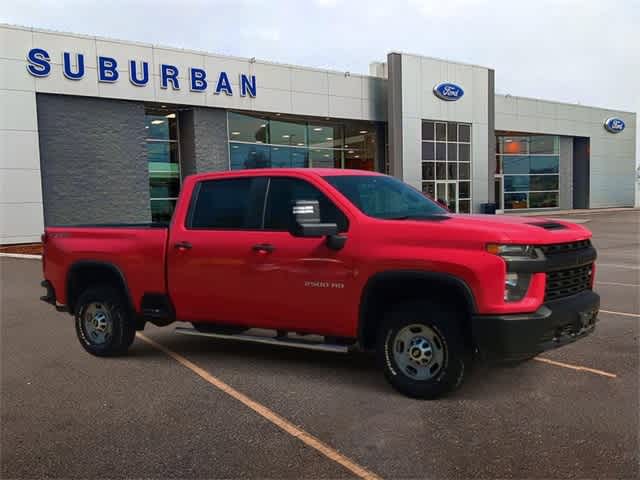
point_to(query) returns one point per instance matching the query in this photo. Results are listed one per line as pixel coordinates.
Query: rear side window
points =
(231, 204)
(283, 192)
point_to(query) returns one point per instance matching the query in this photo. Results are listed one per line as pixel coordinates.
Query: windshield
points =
(385, 197)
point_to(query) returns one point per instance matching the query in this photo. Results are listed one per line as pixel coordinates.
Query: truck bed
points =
(136, 250)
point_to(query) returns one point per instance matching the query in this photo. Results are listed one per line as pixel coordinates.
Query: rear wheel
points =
(421, 349)
(104, 321)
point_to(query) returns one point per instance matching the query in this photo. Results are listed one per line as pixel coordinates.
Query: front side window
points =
(384, 197)
(231, 204)
(284, 191)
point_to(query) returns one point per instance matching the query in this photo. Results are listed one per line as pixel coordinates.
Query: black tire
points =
(449, 365)
(111, 302)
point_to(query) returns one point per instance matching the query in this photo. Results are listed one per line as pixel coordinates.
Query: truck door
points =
(301, 283)
(209, 257)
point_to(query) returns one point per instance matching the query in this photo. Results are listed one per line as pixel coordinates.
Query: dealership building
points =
(96, 130)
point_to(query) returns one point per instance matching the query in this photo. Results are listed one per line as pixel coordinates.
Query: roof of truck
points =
(322, 172)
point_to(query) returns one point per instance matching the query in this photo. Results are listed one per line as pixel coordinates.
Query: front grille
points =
(567, 282)
(565, 247)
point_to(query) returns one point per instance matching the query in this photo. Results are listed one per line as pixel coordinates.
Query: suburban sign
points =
(448, 91)
(614, 124)
(108, 71)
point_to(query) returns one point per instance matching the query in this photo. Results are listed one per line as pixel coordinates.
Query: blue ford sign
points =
(448, 91)
(109, 70)
(614, 124)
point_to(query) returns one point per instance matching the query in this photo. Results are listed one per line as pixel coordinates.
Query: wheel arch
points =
(84, 273)
(389, 287)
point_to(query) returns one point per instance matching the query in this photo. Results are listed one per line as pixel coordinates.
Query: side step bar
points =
(281, 341)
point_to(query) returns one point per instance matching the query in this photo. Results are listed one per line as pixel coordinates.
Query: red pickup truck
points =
(331, 260)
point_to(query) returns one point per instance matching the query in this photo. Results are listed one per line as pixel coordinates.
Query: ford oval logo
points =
(614, 124)
(448, 91)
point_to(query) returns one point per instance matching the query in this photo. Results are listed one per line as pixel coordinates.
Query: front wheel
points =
(104, 322)
(421, 349)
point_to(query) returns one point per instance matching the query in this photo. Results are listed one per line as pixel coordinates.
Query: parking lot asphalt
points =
(67, 414)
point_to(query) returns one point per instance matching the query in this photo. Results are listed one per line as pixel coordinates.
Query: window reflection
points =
(262, 141)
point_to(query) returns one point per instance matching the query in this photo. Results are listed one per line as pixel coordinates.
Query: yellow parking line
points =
(266, 413)
(625, 314)
(576, 367)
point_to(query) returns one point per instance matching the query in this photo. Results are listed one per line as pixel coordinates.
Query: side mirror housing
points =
(306, 220)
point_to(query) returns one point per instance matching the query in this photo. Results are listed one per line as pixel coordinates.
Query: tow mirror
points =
(306, 220)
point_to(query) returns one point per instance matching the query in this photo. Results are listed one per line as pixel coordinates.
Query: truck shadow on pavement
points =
(355, 370)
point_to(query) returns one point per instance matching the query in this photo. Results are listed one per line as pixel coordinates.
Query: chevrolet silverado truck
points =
(332, 260)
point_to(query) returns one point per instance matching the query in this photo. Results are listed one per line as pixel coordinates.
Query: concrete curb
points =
(21, 255)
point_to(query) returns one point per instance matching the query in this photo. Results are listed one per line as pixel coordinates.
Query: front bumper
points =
(519, 336)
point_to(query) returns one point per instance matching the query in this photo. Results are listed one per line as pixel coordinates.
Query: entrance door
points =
(447, 193)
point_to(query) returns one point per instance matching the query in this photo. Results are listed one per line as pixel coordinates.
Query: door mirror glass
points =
(306, 220)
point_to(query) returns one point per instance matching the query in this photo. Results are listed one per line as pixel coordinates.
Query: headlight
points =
(524, 252)
(516, 286)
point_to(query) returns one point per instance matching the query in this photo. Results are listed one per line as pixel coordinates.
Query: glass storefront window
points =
(544, 164)
(264, 141)
(543, 199)
(544, 144)
(428, 131)
(464, 152)
(516, 183)
(325, 158)
(247, 155)
(515, 201)
(246, 128)
(288, 133)
(288, 157)
(529, 167)
(163, 157)
(515, 164)
(325, 136)
(446, 155)
(428, 151)
(161, 126)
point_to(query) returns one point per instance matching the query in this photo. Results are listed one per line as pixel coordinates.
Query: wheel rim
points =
(419, 351)
(97, 323)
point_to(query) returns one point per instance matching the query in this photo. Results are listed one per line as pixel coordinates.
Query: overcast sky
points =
(582, 51)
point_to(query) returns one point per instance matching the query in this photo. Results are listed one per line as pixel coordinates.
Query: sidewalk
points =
(582, 211)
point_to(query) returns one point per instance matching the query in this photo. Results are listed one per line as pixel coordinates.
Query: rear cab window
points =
(228, 204)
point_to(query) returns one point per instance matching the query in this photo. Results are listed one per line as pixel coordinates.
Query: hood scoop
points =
(548, 225)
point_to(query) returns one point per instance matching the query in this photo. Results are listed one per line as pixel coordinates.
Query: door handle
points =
(183, 246)
(263, 248)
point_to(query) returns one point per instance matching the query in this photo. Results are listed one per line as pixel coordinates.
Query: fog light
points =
(516, 286)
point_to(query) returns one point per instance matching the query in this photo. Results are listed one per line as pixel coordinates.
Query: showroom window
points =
(161, 129)
(528, 169)
(271, 141)
(446, 163)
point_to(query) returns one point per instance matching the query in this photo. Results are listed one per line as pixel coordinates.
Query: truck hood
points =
(513, 229)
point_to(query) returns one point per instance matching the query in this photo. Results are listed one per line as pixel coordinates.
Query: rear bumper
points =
(554, 324)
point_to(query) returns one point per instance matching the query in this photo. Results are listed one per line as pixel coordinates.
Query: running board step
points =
(281, 341)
